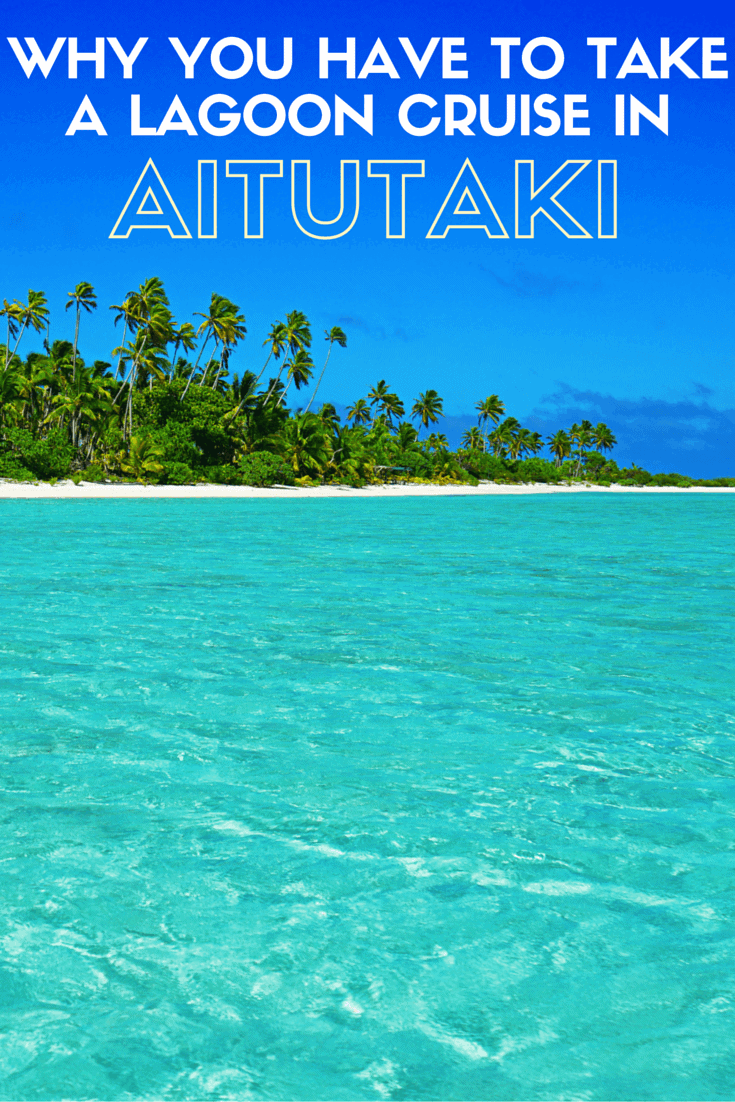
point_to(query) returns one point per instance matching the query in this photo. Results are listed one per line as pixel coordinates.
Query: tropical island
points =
(168, 410)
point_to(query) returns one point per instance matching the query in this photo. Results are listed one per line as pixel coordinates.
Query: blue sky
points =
(636, 331)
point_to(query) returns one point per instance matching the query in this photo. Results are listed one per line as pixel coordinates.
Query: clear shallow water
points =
(368, 799)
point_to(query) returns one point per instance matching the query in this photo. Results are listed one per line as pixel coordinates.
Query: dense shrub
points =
(713, 482)
(257, 469)
(222, 474)
(11, 467)
(609, 473)
(446, 465)
(670, 480)
(49, 457)
(483, 465)
(635, 476)
(179, 474)
(201, 415)
(177, 445)
(535, 469)
(263, 469)
(412, 463)
(593, 464)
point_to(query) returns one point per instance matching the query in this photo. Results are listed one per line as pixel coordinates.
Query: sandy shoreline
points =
(68, 490)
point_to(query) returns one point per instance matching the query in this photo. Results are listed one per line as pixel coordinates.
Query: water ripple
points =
(406, 799)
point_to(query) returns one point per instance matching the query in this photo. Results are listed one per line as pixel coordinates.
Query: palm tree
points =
(133, 353)
(524, 442)
(581, 435)
(515, 444)
(304, 443)
(85, 397)
(437, 440)
(332, 335)
(359, 413)
(490, 409)
(328, 416)
(33, 314)
(149, 307)
(298, 330)
(125, 310)
(232, 331)
(428, 408)
(348, 453)
(32, 385)
(10, 311)
(473, 439)
(406, 435)
(141, 459)
(379, 434)
(378, 394)
(184, 337)
(602, 437)
(10, 395)
(392, 407)
(501, 438)
(147, 314)
(389, 404)
(152, 364)
(150, 293)
(224, 324)
(243, 391)
(535, 443)
(277, 339)
(560, 447)
(299, 372)
(297, 336)
(82, 296)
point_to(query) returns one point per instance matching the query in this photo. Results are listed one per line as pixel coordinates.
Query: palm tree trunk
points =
(132, 369)
(224, 360)
(263, 368)
(119, 359)
(173, 360)
(285, 392)
(129, 409)
(76, 341)
(275, 383)
(20, 337)
(130, 381)
(206, 369)
(196, 365)
(329, 353)
(125, 380)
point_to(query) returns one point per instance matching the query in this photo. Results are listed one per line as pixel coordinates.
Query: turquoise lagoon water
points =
(368, 799)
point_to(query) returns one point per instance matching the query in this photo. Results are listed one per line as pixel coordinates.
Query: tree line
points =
(168, 408)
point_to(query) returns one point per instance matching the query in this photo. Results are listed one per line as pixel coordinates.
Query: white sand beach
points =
(113, 491)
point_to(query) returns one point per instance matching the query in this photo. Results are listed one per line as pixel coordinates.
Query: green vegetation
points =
(171, 411)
